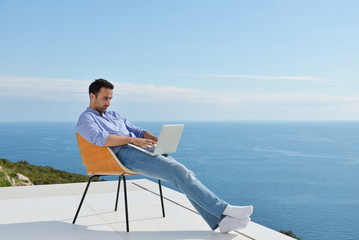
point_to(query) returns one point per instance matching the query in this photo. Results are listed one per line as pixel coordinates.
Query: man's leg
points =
(168, 169)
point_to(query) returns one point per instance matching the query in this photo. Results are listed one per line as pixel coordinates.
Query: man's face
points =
(102, 101)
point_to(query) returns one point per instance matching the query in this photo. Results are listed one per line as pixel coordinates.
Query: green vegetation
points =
(290, 234)
(38, 175)
(3, 180)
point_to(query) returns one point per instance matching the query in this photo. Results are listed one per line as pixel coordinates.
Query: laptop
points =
(168, 140)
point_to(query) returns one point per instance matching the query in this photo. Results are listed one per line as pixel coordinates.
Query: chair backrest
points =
(100, 160)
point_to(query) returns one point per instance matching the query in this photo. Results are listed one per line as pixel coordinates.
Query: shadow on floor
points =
(57, 230)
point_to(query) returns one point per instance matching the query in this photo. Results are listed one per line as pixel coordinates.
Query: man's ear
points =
(92, 96)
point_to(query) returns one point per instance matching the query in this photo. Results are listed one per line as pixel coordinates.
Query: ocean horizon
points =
(299, 175)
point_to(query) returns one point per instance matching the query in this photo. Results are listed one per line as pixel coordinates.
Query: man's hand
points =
(148, 135)
(143, 142)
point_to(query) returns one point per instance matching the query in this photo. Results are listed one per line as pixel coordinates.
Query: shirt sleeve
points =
(90, 130)
(137, 131)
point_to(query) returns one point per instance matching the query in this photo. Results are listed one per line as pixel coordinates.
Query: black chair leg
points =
(163, 207)
(83, 197)
(117, 196)
(126, 207)
(118, 192)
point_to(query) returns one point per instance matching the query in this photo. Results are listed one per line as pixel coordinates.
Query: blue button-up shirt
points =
(96, 128)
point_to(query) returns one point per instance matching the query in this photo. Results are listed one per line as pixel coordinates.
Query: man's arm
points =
(114, 140)
(149, 135)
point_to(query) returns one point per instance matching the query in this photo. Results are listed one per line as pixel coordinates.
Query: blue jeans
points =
(166, 168)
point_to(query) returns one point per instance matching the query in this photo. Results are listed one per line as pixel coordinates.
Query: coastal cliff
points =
(24, 174)
(13, 179)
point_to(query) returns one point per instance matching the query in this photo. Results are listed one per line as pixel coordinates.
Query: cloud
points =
(28, 86)
(53, 88)
(292, 78)
(169, 93)
(185, 102)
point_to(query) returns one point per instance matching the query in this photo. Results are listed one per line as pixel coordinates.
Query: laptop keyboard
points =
(151, 149)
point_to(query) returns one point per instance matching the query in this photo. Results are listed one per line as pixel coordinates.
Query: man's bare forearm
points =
(114, 140)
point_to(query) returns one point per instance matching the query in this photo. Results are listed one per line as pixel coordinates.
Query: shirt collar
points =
(94, 111)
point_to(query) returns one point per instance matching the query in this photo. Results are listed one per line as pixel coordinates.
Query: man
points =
(108, 128)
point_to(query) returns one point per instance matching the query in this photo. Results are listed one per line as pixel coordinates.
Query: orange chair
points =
(101, 161)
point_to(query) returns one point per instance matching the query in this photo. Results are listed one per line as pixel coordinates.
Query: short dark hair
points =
(96, 85)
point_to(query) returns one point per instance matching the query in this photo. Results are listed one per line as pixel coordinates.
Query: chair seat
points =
(100, 160)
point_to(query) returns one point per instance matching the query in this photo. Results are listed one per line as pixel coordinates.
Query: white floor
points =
(46, 212)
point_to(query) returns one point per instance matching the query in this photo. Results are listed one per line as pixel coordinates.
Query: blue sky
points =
(181, 60)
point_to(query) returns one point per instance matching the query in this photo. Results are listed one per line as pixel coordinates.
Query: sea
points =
(299, 176)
